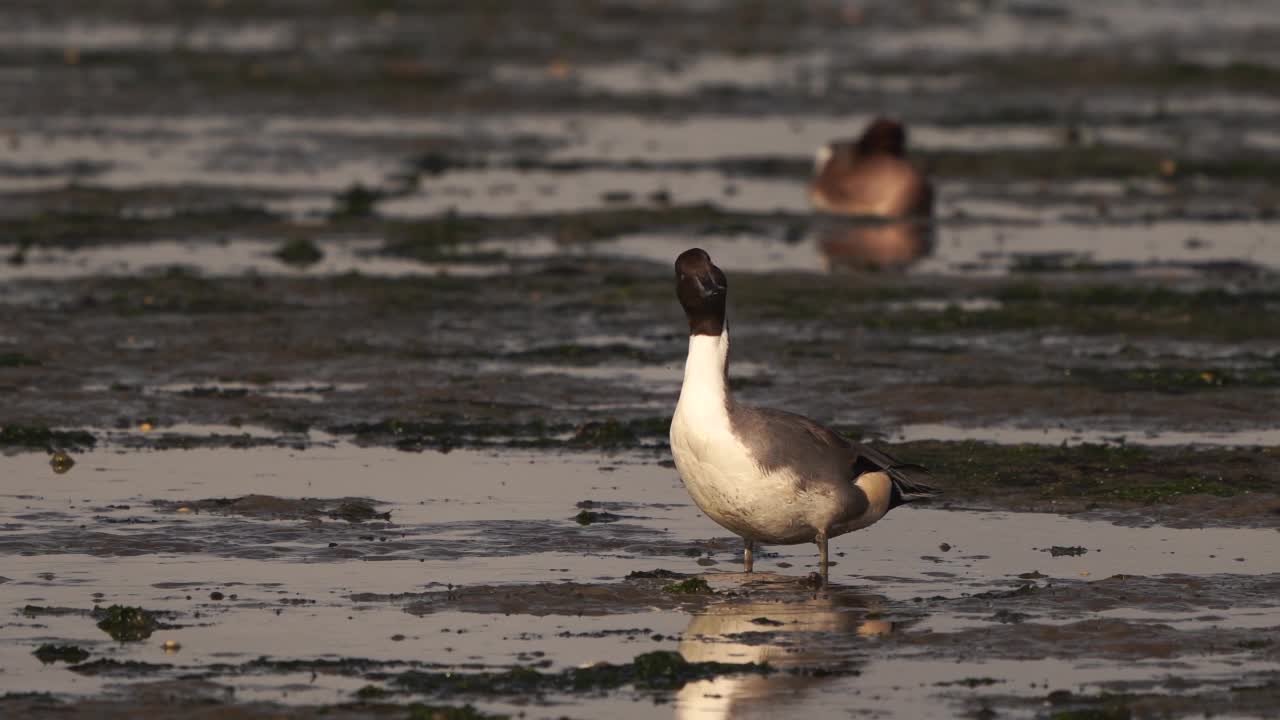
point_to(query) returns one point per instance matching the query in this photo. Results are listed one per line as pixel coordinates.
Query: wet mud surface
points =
(467, 578)
(338, 350)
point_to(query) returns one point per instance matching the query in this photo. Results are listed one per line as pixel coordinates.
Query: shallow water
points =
(114, 531)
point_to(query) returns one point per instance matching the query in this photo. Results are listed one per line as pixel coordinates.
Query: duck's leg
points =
(822, 555)
(748, 554)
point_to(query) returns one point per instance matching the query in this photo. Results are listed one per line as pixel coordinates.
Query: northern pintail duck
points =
(766, 475)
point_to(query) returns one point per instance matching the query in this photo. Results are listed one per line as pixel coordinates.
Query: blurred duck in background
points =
(871, 178)
(871, 175)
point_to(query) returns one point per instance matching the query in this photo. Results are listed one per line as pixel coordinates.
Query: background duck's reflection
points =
(892, 245)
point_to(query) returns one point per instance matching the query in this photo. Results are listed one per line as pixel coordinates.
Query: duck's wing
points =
(815, 453)
(783, 441)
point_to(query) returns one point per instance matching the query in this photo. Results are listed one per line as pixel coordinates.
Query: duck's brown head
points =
(884, 136)
(702, 289)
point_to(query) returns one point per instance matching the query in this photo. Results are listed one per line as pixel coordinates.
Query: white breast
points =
(726, 484)
(718, 470)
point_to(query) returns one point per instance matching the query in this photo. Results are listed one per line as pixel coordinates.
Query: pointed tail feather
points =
(909, 480)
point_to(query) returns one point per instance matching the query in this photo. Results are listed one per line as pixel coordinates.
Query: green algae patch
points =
(1103, 706)
(358, 511)
(1066, 550)
(127, 624)
(69, 654)
(669, 670)
(1089, 476)
(1094, 70)
(971, 683)
(112, 223)
(17, 360)
(108, 667)
(34, 436)
(418, 711)
(1210, 319)
(585, 354)
(357, 201)
(612, 434)
(1094, 160)
(1175, 380)
(1095, 309)
(592, 517)
(658, 573)
(691, 586)
(1045, 163)
(270, 507)
(659, 670)
(42, 699)
(33, 611)
(1162, 491)
(215, 392)
(439, 238)
(447, 433)
(372, 692)
(177, 290)
(1119, 712)
(299, 252)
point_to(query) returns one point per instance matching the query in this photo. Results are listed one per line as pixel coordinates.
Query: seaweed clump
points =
(591, 517)
(70, 654)
(299, 252)
(35, 436)
(125, 623)
(691, 586)
(658, 670)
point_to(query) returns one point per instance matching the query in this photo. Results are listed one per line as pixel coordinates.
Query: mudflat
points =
(338, 349)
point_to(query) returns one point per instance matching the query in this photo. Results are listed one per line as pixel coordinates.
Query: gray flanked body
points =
(767, 475)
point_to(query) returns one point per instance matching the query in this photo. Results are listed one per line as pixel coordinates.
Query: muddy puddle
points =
(338, 353)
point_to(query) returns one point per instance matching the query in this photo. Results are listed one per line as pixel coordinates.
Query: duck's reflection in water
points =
(871, 244)
(804, 641)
